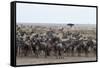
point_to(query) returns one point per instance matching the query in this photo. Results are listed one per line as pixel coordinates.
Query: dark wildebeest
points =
(27, 47)
(19, 46)
(94, 49)
(80, 47)
(58, 47)
(46, 48)
(59, 50)
(41, 45)
(35, 45)
(88, 47)
(66, 43)
(22, 46)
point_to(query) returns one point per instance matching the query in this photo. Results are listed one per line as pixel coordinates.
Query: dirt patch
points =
(42, 60)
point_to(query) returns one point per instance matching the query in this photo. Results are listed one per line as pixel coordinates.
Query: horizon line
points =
(50, 23)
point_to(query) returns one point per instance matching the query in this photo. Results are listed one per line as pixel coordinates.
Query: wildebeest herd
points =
(50, 43)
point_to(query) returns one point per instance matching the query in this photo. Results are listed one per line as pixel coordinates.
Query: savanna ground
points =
(52, 59)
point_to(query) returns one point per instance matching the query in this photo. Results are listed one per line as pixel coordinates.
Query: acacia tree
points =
(70, 24)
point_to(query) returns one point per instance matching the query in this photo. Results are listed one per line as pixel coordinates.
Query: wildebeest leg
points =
(34, 51)
(68, 51)
(94, 51)
(46, 54)
(72, 51)
(59, 54)
(33, 48)
(26, 50)
(19, 51)
(25, 53)
(37, 54)
(56, 53)
(86, 52)
(62, 54)
(79, 52)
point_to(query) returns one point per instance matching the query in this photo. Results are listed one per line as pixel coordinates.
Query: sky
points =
(39, 13)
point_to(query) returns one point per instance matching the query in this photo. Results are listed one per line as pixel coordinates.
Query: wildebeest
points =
(50, 44)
